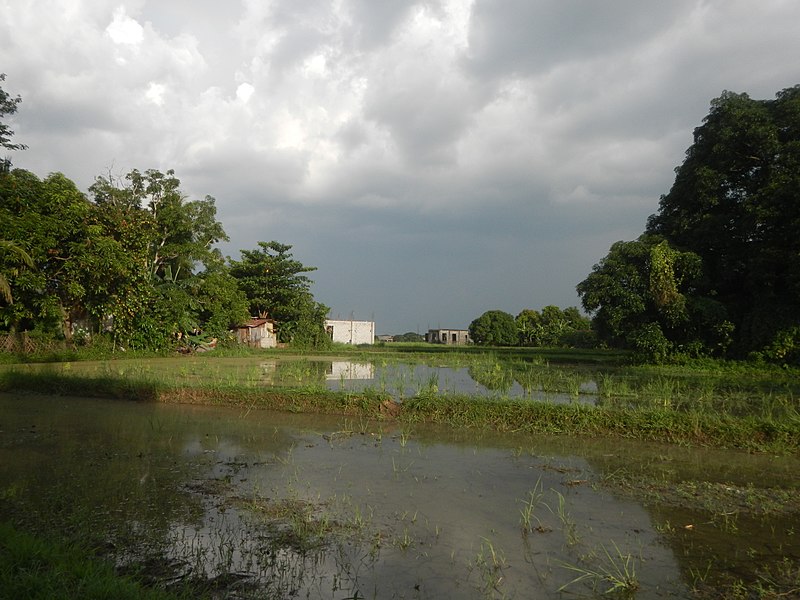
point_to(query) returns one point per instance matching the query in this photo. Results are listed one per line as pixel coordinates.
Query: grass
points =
(529, 506)
(610, 573)
(34, 568)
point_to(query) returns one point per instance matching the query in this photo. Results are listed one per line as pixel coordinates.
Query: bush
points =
(650, 344)
(785, 347)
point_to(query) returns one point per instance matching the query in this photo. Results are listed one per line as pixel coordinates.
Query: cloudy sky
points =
(434, 159)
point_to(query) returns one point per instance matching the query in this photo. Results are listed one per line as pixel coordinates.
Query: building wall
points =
(351, 332)
(258, 334)
(452, 337)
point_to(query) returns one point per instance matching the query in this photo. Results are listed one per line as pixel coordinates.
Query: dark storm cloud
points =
(433, 159)
(525, 37)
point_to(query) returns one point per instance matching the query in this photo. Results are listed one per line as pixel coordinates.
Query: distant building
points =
(351, 332)
(452, 337)
(384, 338)
(257, 333)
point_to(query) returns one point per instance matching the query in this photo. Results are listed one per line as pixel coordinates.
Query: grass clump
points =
(34, 568)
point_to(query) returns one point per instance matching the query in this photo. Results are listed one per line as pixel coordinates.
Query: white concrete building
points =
(351, 332)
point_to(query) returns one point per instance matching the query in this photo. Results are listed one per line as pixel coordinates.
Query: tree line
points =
(136, 258)
(552, 327)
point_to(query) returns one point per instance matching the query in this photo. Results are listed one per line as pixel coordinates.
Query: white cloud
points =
(125, 30)
(155, 93)
(244, 92)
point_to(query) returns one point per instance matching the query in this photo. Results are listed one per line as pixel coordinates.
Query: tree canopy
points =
(276, 286)
(138, 259)
(718, 269)
(494, 328)
(550, 327)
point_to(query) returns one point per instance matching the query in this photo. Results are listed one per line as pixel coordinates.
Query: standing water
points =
(259, 504)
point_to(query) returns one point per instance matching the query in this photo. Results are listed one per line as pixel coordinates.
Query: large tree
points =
(276, 287)
(139, 259)
(643, 296)
(48, 220)
(736, 204)
(494, 328)
(175, 267)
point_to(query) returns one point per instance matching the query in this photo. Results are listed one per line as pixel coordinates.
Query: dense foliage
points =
(276, 287)
(409, 336)
(552, 327)
(718, 270)
(136, 260)
(494, 328)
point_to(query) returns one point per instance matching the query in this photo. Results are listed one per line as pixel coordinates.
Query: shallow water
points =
(422, 513)
(481, 378)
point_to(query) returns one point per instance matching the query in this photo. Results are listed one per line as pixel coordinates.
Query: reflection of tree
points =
(91, 476)
(121, 473)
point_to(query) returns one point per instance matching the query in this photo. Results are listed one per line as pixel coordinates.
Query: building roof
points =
(252, 323)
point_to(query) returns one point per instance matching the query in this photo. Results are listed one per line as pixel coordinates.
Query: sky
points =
(433, 159)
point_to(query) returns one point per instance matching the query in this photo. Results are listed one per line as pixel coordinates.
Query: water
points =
(284, 506)
(479, 378)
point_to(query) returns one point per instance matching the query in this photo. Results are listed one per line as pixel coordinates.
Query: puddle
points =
(283, 506)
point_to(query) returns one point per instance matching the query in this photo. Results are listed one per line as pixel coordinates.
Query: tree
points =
(409, 336)
(552, 327)
(158, 294)
(181, 233)
(494, 328)
(276, 286)
(8, 106)
(529, 325)
(642, 296)
(18, 255)
(220, 302)
(128, 259)
(47, 219)
(734, 203)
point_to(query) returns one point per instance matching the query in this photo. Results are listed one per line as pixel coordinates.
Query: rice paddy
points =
(378, 476)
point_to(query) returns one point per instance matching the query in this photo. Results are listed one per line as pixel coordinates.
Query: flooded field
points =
(475, 376)
(398, 379)
(259, 504)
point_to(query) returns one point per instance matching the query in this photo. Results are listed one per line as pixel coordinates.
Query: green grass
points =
(656, 421)
(34, 568)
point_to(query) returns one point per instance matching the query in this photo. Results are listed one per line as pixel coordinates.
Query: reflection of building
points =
(351, 332)
(454, 337)
(257, 333)
(345, 369)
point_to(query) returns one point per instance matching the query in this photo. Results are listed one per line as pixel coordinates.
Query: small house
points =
(452, 337)
(351, 332)
(257, 333)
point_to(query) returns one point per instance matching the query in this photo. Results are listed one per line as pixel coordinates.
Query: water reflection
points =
(349, 370)
(283, 506)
